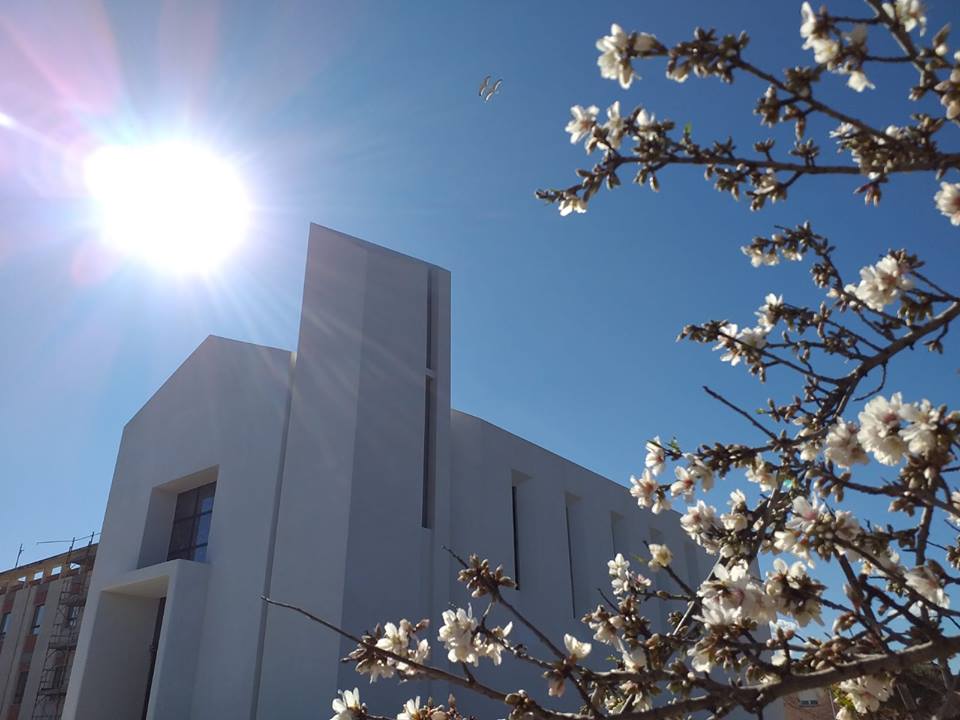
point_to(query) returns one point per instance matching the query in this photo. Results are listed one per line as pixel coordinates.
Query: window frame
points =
(36, 620)
(20, 688)
(190, 513)
(5, 624)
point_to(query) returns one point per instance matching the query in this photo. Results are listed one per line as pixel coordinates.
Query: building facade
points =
(331, 478)
(816, 704)
(41, 606)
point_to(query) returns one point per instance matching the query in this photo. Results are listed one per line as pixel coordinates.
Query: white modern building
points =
(330, 477)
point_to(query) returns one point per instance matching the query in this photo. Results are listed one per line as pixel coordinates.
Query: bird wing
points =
(483, 85)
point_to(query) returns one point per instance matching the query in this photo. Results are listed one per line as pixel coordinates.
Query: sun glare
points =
(174, 205)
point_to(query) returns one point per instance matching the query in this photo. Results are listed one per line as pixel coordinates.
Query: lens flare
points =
(174, 205)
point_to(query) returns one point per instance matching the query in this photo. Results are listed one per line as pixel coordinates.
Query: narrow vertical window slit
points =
(426, 518)
(573, 590)
(516, 538)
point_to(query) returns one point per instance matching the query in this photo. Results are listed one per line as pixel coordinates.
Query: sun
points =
(174, 205)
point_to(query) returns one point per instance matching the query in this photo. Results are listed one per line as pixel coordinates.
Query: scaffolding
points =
(62, 644)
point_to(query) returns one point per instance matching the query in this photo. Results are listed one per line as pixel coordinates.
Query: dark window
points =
(73, 615)
(21, 687)
(516, 538)
(191, 524)
(426, 517)
(37, 620)
(573, 585)
(4, 625)
(59, 675)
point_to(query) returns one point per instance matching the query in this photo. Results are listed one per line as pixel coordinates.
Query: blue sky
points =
(364, 117)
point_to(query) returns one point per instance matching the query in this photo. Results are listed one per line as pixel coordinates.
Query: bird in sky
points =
(488, 89)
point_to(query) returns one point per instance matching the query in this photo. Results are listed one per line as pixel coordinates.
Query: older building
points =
(816, 704)
(41, 605)
(331, 478)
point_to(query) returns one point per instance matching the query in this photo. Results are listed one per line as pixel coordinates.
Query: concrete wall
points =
(222, 412)
(322, 501)
(352, 490)
(570, 522)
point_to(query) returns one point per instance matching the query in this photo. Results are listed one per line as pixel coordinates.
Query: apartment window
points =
(73, 615)
(59, 675)
(21, 686)
(191, 524)
(37, 620)
(4, 624)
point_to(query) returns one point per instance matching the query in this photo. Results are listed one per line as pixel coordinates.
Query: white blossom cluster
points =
(882, 283)
(465, 643)
(616, 51)
(828, 49)
(347, 706)
(867, 692)
(889, 429)
(401, 640)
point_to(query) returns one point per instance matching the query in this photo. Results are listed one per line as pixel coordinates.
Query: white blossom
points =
(786, 587)
(842, 446)
(825, 48)
(789, 541)
(921, 431)
(605, 631)
(644, 489)
(395, 639)
(767, 312)
(644, 123)
(760, 257)
(347, 706)
(655, 456)
(732, 594)
(762, 472)
(572, 202)
(867, 692)
(910, 13)
(491, 647)
(619, 571)
(879, 429)
(808, 25)
(660, 557)
(805, 515)
(578, 650)
(411, 710)
(858, 34)
(457, 635)
(614, 125)
(881, 284)
(688, 477)
(922, 580)
(699, 520)
(634, 657)
(736, 520)
(583, 122)
(859, 81)
(614, 62)
(948, 201)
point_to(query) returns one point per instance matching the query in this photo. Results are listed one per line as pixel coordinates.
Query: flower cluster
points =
(618, 48)
(398, 639)
(348, 706)
(466, 642)
(867, 692)
(882, 283)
